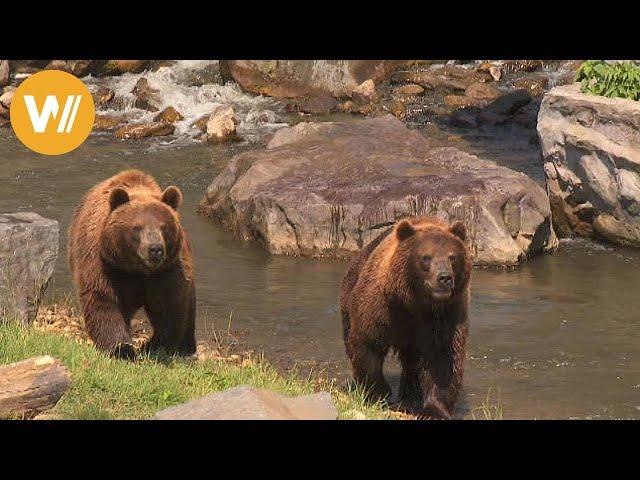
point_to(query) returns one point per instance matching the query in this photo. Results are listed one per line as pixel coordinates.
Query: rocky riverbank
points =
(137, 99)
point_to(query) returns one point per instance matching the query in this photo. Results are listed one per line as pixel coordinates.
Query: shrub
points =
(613, 80)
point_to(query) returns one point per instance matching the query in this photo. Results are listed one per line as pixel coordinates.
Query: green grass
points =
(106, 388)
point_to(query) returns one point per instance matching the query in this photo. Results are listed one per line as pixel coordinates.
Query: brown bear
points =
(128, 250)
(409, 290)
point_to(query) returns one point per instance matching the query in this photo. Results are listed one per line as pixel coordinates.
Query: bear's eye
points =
(452, 258)
(426, 260)
(137, 228)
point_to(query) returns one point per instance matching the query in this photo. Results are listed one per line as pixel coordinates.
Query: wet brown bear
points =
(409, 290)
(128, 250)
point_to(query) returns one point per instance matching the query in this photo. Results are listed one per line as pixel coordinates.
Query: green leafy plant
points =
(613, 80)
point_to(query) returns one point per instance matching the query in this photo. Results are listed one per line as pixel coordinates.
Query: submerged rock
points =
(143, 130)
(248, 403)
(591, 149)
(28, 252)
(328, 189)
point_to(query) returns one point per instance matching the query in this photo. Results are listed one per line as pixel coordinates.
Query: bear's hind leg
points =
(367, 361)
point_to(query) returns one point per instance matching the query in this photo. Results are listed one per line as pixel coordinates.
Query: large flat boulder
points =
(328, 189)
(248, 403)
(28, 252)
(300, 78)
(591, 150)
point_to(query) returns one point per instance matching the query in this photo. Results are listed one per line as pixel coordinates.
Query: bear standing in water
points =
(409, 290)
(128, 250)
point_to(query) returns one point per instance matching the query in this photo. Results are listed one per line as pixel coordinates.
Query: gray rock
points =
(328, 189)
(4, 73)
(28, 252)
(248, 403)
(591, 149)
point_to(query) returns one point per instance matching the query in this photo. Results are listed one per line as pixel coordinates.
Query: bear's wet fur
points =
(128, 250)
(408, 291)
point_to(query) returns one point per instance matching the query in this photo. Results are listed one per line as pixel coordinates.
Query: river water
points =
(557, 337)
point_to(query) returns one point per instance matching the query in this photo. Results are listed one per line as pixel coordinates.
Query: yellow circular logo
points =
(52, 112)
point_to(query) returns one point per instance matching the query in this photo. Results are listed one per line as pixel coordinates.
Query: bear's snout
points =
(156, 252)
(152, 247)
(445, 279)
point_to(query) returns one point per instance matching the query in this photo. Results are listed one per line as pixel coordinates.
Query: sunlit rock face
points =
(28, 252)
(591, 150)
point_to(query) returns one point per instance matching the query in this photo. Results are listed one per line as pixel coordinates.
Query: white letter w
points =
(50, 108)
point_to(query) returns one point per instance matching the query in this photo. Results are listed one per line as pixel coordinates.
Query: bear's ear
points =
(459, 230)
(172, 196)
(117, 197)
(404, 230)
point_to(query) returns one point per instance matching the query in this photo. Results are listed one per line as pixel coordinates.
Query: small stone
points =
(103, 96)
(143, 130)
(458, 101)
(482, 91)
(522, 65)
(409, 90)
(146, 96)
(365, 92)
(318, 104)
(169, 115)
(495, 72)
(221, 125)
(107, 122)
(118, 67)
(535, 86)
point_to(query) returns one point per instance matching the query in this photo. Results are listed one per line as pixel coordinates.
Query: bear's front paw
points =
(124, 351)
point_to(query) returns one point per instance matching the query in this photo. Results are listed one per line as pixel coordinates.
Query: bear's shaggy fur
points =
(128, 250)
(409, 290)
